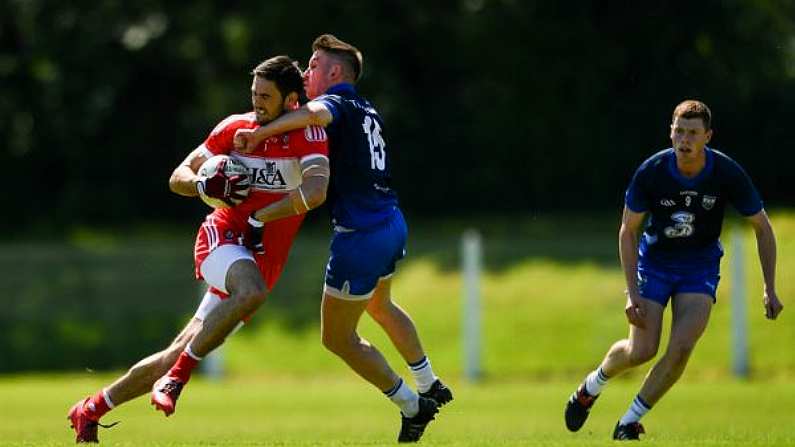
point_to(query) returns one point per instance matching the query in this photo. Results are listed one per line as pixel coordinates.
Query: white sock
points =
(189, 351)
(405, 398)
(636, 411)
(106, 396)
(595, 381)
(423, 374)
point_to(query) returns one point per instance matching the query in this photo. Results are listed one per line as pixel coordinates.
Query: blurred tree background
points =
(546, 105)
(493, 107)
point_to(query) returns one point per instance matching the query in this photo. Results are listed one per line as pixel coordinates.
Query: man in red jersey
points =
(288, 176)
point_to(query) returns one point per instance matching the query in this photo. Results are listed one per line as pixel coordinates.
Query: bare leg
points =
(691, 313)
(339, 319)
(141, 376)
(640, 347)
(396, 322)
(247, 292)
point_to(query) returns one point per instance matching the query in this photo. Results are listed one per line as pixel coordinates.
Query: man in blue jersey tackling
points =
(684, 190)
(369, 233)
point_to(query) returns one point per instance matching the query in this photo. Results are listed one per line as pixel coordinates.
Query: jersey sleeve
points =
(742, 193)
(310, 142)
(636, 197)
(220, 140)
(333, 103)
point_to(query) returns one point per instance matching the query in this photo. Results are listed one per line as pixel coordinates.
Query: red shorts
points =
(220, 228)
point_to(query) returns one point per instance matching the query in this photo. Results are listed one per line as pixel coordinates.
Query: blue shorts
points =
(360, 258)
(660, 284)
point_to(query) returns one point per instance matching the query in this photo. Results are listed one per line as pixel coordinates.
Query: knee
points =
(679, 353)
(381, 312)
(336, 343)
(251, 296)
(640, 354)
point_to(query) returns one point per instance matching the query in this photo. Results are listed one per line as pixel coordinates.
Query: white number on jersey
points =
(377, 144)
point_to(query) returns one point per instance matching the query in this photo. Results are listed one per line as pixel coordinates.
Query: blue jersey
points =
(686, 214)
(360, 193)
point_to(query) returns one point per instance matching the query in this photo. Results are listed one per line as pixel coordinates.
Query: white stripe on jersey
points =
(315, 133)
(212, 233)
(204, 151)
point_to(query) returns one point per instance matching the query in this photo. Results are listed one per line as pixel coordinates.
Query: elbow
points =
(316, 115)
(172, 183)
(316, 118)
(627, 235)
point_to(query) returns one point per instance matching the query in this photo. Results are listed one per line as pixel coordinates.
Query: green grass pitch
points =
(344, 411)
(552, 305)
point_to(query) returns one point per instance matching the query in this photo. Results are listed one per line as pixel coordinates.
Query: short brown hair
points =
(690, 109)
(349, 55)
(282, 71)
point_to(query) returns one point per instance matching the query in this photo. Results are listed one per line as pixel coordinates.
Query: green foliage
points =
(99, 104)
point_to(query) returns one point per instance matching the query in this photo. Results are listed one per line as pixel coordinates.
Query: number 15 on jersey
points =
(377, 144)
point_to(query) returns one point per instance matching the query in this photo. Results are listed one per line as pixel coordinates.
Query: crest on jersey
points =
(708, 202)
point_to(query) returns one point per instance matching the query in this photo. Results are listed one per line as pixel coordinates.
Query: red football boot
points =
(85, 427)
(165, 393)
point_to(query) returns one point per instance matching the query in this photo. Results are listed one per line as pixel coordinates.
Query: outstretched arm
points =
(766, 246)
(312, 113)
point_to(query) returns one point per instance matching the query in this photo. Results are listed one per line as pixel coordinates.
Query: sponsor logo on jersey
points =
(708, 202)
(683, 217)
(683, 226)
(229, 235)
(272, 173)
(667, 202)
(269, 175)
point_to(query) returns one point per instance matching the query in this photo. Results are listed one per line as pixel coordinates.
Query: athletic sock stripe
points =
(106, 396)
(601, 376)
(190, 353)
(391, 392)
(422, 363)
(642, 403)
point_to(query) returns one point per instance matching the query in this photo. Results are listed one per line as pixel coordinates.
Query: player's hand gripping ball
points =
(223, 181)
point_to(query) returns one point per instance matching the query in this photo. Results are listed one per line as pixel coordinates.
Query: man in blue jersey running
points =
(685, 190)
(369, 233)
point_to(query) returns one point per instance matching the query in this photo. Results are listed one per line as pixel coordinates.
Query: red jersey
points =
(274, 166)
(274, 170)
